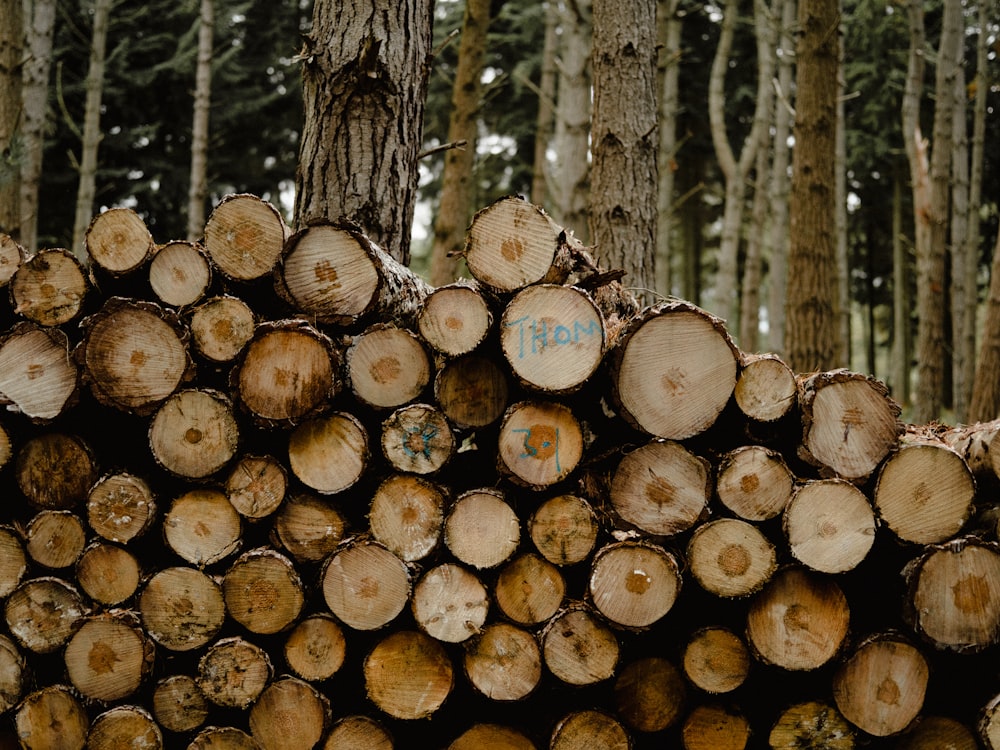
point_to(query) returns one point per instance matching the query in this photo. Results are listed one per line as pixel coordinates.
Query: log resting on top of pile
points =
(270, 490)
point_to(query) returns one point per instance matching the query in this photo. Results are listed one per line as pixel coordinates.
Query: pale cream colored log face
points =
(541, 442)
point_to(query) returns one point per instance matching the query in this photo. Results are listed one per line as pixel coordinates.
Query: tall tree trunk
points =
(934, 214)
(94, 85)
(901, 302)
(778, 266)
(985, 404)
(963, 296)
(624, 135)
(198, 187)
(812, 334)
(546, 107)
(669, 24)
(840, 219)
(11, 59)
(571, 172)
(457, 179)
(693, 222)
(41, 24)
(364, 83)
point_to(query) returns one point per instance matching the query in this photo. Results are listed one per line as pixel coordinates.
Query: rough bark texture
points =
(986, 392)
(11, 59)
(198, 187)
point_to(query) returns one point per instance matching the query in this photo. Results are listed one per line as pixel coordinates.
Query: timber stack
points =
(271, 490)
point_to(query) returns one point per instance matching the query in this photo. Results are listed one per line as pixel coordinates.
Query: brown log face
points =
(418, 439)
(731, 558)
(12, 674)
(202, 527)
(754, 482)
(13, 561)
(650, 694)
(564, 529)
(36, 373)
(579, 649)
(234, 672)
(194, 433)
(315, 648)
(408, 675)
(221, 327)
(454, 319)
(43, 613)
(365, 585)
(120, 507)
(358, 733)
(49, 288)
(55, 538)
(495, 736)
(766, 389)
(263, 591)
(107, 573)
(289, 715)
(244, 237)
(529, 590)
(634, 584)
(256, 486)
(830, 525)
(329, 453)
(482, 529)
(711, 727)
(407, 515)
(108, 658)
(387, 367)
(11, 257)
(55, 470)
(223, 738)
(309, 527)
(178, 704)
(51, 719)
(450, 603)
(125, 724)
(938, 731)
(503, 662)
(118, 240)
(716, 660)
(591, 729)
(180, 274)
(472, 391)
(182, 609)
(541, 443)
(812, 724)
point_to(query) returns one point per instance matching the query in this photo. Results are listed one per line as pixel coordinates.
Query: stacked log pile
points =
(271, 490)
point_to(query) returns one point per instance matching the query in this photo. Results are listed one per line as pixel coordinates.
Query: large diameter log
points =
(417, 438)
(552, 337)
(988, 726)
(754, 482)
(43, 613)
(358, 733)
(472, 391)
(450, 603)
(495, 736)
(634, 584)
(233, 672)
(180, 273)
(673, 370)
(263, 591)
(529, 589)
(455, 319)
(849, 423)
(731, 558)
(830, 525)
(289, 715)
(121, 507)
(933, 732)
(182, 608)
(329, 453)
(716, 660)
(408, 675)
(109, 657)
(406, 514)
(178, 703)
(118, 241)
(221, 327)
(564, 529)
(223, 738)
(798, 621)
(592, 729)
(38, 377)
(365, 585)
(503, 662)
(387, 366)
(49, 288)
(244, 236)
(953, 599)
(52, 718)
(579, 648)
(339, 276)
(713, 727)
(925, 492)
(125, 726)
(881, 687)
(202, 527)
(650, 694)
(194, 433)
(812, 724)
(55, 470)
(540, 443)
(482, 529)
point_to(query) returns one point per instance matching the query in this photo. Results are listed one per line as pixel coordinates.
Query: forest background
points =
(167, 106)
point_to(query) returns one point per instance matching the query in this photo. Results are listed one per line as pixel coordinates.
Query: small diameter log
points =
(118, 241)
(450, 603)
(339, 276)
(55, 470)
(329, 453)
(358, 733)
(482, 529)
(43, 613)
(315, 648)
(979, 445)
(125, 726)
(38, 378)
(540, 443)
(503, 662)
(55, 538)
(12, 674)
(673, 370)
(52, 718)
(952, 600)
(121, 507)
(244, 236)
(579, 648)
(649, 694)
(766, 389)
(798, 621)
(881, 687)
(233, 672)
(406, 514)
(716, 660)
(830, 525)
(925, 493)
(564, 529)
(109, 657)
(935, 732)
(454, 319)
(256, 486)
(634, 584)
(178, 704)
(49, 287)
(472, 391)
(11, 257)
(408, 675)
(754, 482)
(133, 355)
(194, 433)
(812, 724)
(202, 527)
(289, 715)
(849, 423)
(661, 487)
(263, 591)
(365, 585)
(13, 561)
(387, 366)
(223, 738)
(180, 273)
(529, 589)
(731, 558)
(107, 573)
(417, 439)
(552, 337)
(714, 727)
(309, 527)
(494, 736)
(287, 372)
(988, 726)
(592, 729)
(221, 327)
(182, 608)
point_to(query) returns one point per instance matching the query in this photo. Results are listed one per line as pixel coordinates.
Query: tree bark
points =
(198, 184)
(365, 70)
(985, 404)
(670, 23)
(11, 139)
(545, 124)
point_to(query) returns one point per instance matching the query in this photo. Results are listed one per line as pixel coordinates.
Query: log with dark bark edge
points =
(710, 726)
(51, 718)
(472, 391)
(233, 672)
(357, 732)
(38, 377)
(118, 241)
(766, 389)
(180, 273)
(365, 585)
(979, 446)
(43, 613)
(182, 608)
(309, 527)
(49, 288)
(244, 237)
(590, 728)
(829, 525)
(924, 492)
(731, 558)
(716, 660)
(256, 485)
(988, 726)
(54, 470)
(178, 703)
(503, 662)
(336, 274)
(880, 689)
(934, 732)
(455, 319)
(450, 603)
(650, 694)
(633, 584)
(673, 370)
(121, 507)
(129, 726)
(529, 589)
(55, 539)
(481, 528)
(6, 447)
(408, 674)
(107, 573)
(329, 453)
(13, 560)
(953, 599)
(814, 725)
(417, 438)
(202, 527)
(223, 738)
(540, 443)
(194, 433)
(849, 423)
(495, 736)
(13, 678)
(564, 529)
(315, 648)
(263, 591)
(289, 715)
(578, 648)
(406, 514)
(109, 656)
(754, 482)
(387, 366)
(220, 327)
(11, 257)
